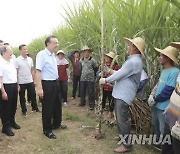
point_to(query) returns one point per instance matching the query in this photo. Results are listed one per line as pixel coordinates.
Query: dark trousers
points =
(89, 87)
(51, 105)
(0, 103)
(9, 107)
(173, 148)
(76, 82)
(122, 112)
(32, 96)
(108, 94)
(63, 88)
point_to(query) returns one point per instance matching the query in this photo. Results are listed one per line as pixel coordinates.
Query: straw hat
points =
(86, 48)
(170, 52)
(60, 51)
(138, 42)
(175, 44)
(111, 54)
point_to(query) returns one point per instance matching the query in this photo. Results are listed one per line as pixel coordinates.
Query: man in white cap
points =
(165, 87)
(172, 117)
(127, 81)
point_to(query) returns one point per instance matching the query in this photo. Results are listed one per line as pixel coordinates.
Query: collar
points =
(134, 55)
(48, 52)
(88, 59)
(23, 57)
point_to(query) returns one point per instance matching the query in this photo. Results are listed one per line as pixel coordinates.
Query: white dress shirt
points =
(8, 72)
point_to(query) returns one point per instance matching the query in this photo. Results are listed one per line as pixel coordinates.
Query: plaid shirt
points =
(107, 87)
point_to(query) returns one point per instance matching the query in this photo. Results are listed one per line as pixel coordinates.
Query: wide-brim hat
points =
(60, 51)
(86, 48)
(110, 54)
(138, 42)
(170, 52)
(175, 44)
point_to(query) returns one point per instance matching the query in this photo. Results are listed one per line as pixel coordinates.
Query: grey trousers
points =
(122, 112)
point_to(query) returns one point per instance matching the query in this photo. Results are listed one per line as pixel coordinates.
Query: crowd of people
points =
(120, 85)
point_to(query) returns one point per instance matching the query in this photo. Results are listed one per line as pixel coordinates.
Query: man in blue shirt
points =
(126, 82)
(47, 87)
(166, 85)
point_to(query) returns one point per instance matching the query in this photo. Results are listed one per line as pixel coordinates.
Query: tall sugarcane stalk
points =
(100, 110)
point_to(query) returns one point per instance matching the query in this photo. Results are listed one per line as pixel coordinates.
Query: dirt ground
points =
(74, 140)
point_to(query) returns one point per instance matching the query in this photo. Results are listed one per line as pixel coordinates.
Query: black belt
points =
(49, 80)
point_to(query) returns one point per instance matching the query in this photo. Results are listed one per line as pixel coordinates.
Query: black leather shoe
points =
(50, 135)
(15, 126)
(8, 132)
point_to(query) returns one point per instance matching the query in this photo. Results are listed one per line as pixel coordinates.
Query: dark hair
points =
(75, 51)
(48, 39)
(21, 46)
(3, 50)
(1, 41)
(6, 43)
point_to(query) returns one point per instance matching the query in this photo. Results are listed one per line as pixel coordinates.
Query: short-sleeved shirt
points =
(47, 64)
(88, 69)
(168, 77)
(8, 72)
(24, 67)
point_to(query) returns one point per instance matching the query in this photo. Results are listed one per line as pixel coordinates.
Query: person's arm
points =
(95, 67)
(168, 89)
(3, 92)
(39, 84)
(39, 66)
(124, 72)
(165, 94)
(32, 70)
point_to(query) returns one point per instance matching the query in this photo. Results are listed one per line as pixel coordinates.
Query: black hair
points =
(6, 43)
(75, 51)
(21, 46)
(48, 39)
(3, 50)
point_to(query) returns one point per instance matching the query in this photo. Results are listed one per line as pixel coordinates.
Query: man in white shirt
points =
(9, 90)
(24, 65)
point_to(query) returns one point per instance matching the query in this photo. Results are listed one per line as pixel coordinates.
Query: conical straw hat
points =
(138, 42)
(170, 52)
(111, 54)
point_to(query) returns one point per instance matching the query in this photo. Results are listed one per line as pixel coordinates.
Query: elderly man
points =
(126, 80)
(24, 65)
(48, 87)
(88, 71)
(9, 90)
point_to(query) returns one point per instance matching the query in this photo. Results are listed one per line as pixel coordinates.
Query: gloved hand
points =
(106, 69)
(151, 101)
(175, 131)
(102, 81)
(69, 80)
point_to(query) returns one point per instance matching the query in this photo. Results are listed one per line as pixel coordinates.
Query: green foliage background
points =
(157, 21)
